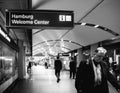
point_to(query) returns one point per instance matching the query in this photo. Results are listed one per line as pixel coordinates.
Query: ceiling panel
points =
(99, 12)
(80, 7)
(14, 4)
(69, 45)
(87, 35)
(46, 35)
(107, 14)
(104, 13)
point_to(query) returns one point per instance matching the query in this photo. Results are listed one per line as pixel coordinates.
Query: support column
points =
(21, 60)
(114, 55)
(79, 57)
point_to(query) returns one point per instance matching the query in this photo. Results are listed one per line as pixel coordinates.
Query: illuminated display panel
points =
(39, 19)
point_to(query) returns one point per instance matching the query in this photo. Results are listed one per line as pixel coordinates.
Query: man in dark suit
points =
(58, 67)
(72, 66)
(93, 75)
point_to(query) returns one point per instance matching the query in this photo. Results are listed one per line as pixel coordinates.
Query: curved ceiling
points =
(94, 21)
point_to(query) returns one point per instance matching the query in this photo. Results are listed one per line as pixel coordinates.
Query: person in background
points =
(72, 66)
(46, 65)
(29, 67)
(58, 68)
(93, 76)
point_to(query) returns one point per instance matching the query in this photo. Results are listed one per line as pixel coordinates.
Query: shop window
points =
(7, 62)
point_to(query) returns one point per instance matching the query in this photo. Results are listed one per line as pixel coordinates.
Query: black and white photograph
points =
(59, 46)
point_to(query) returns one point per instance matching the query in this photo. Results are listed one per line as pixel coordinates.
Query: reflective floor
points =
(43, 80)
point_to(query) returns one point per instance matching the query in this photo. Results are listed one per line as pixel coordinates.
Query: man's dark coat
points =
(85, 78)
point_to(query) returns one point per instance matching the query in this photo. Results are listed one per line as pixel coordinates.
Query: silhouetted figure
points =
(72, 66)
(29, 66)
(58, 67)
(93, 76)
(46, 65)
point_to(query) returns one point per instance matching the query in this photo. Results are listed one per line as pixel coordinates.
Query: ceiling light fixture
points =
(83, 24)
(96, 26)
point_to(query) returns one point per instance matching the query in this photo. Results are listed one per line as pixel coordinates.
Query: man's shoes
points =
(58, 80)
(73, 77)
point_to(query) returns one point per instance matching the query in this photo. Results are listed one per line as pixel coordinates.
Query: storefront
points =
(8, 62)
(8, 57)
(113, 52)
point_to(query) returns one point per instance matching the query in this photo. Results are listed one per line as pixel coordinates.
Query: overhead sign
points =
(39, 19)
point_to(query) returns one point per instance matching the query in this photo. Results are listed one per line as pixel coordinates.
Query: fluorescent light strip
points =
(4, 35)
(96, 26)
(83, 24)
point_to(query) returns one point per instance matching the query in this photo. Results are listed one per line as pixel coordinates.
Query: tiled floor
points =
(44, 81)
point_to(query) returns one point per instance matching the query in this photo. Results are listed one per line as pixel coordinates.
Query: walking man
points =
(58, 67)
(72, 66)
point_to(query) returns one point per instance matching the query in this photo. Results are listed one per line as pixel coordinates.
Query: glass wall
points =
(8, 62)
